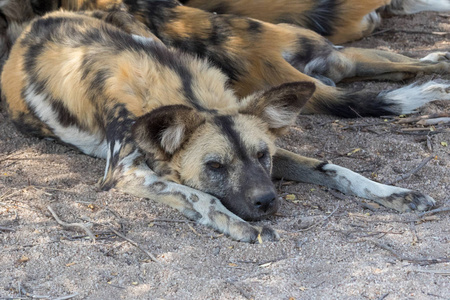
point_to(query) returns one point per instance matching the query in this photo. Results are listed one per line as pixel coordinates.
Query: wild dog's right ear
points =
(280, 105)
(166, 128)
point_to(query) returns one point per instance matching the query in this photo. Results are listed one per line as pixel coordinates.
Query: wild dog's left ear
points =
(280, 105)
(166, 128)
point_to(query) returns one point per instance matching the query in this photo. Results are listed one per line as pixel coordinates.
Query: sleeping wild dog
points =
(168, 124)
(257, 55)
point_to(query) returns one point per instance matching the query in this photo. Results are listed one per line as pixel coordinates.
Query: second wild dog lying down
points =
(167, 124)
(256, 55)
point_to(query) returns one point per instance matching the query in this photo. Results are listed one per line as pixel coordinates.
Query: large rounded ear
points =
(280, 105)
(166, 128)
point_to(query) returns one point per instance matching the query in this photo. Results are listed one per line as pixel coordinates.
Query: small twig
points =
(319, 222)
(380, 32)
(171, 221)
(419, 261)
(152, 257)
(428, 132)
(66, 297)
(365, 125)
(22, 291)
(117, 286)
(8, 194)
(193, 230)
(384, 296)
(6, 229)
(389, 249)
(413, 171)
(415, 129)
(434, 121)
(434, 211)
(77, 225)
(243, 293)
(418, 118)
(391, 30)
(439, 272)
(415, 238)
(284, 257)
(357, 113)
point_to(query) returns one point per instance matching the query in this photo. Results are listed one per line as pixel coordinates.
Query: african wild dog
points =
(339, 21)
(256, 55)
(167, 123)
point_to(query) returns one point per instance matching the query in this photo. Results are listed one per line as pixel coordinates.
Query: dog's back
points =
(73, 81)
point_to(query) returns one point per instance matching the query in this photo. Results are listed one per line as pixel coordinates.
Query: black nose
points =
(265, 202)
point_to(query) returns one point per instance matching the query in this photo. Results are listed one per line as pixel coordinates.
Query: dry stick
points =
(434, 121)
(391, 30)
(77, 225)
(429, 132)
(418, 118)
(384, 296)
(415, 238)
(434, 211)
(243, 293)
(319, 222)
(413, 171)
(66, 297)
(152, 257)
(439, 272)
(6, 229)
(171, 221)
(415, 129)
(405, 258)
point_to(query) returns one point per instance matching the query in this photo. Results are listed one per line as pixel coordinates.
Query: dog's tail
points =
(405, 100)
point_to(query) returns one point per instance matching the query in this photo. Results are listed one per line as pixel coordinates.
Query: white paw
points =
(436, 57)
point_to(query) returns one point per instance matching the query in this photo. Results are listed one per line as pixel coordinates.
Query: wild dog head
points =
(228, 155)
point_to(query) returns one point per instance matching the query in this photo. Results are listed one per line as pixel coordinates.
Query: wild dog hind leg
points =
(294, 167)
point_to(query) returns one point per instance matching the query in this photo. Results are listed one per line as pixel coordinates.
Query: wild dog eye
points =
(261, 155)
(214, 165)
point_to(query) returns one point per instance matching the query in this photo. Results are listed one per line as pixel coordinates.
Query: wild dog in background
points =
(256, 55)
(339, 21)
(167, 122)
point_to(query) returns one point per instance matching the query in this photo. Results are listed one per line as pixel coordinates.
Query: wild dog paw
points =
(436, 57)
(244, 232)
(409, 201)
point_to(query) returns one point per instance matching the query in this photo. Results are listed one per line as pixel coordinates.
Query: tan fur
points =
(350, 24)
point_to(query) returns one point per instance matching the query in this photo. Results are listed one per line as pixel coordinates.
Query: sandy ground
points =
(332, 246)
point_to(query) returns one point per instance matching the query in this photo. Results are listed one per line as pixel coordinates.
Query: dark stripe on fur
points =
(321, 18)
(354, 104)
(226, 125)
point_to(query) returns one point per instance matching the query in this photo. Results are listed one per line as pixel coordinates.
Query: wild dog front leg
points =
(134, 177)
(291, 166)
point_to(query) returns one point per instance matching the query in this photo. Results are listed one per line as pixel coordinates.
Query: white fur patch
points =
(358, 185)
(278, 117)
(142, 39)
(411, 97)
(172, 138)
(414, 6)
(115, 150)
(437, 56)
(316, 66)
(373, 19)
(90, 144)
